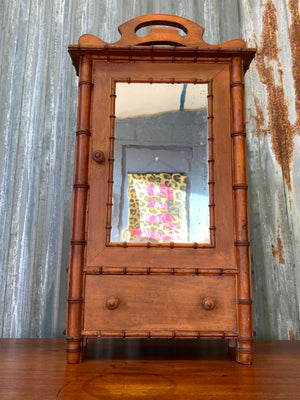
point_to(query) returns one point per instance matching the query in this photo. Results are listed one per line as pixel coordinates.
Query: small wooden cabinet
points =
(160, 241)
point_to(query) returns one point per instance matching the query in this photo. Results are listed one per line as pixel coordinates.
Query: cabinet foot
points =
(74, 351)
(84, 348)
(244, 352)
(232, 343)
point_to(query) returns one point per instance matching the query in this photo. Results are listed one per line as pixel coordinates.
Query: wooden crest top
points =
(160, 33)
(161, 39)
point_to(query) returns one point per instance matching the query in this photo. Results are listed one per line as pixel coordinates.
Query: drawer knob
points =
(208, 303)
(98, 156)
(112, 303)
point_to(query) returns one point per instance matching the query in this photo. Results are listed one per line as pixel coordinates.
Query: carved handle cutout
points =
(161, 31)
(180, 29)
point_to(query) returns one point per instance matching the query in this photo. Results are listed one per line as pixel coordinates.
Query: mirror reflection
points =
(160, 190)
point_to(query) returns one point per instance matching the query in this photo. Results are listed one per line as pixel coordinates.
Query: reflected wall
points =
(160, 191)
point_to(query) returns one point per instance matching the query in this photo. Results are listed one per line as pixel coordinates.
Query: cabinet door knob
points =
(112, 303)
(208, 303)
(98, 156)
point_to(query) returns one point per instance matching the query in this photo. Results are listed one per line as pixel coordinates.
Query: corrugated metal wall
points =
(273, 124)
(38, 116)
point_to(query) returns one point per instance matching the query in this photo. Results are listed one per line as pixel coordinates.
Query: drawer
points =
(156, 302)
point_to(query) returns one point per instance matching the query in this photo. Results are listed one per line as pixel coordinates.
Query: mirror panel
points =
(160, 190)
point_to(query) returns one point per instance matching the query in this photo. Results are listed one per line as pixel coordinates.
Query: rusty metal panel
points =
(38, 116)
(273, 124)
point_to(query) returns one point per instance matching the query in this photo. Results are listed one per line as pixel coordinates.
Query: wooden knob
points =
(208, 303)
(98, 156)
(112, 303)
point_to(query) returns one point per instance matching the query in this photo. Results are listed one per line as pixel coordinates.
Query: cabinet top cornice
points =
(162, 43)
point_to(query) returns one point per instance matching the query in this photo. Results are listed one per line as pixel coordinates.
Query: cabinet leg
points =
(74, 351)
(231, 348)
(84, 347)
(232, 343)
(244, 352)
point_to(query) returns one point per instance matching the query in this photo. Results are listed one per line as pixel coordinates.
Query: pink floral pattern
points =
(157, 208)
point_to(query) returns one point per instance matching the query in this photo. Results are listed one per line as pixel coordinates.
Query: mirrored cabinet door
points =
(161, 186)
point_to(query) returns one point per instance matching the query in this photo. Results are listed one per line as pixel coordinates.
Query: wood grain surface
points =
(160, 303)
(35, 369)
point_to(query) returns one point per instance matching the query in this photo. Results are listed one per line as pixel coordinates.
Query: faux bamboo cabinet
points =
(160, 243)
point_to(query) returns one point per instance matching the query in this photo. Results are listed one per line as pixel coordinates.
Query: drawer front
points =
(139, 303)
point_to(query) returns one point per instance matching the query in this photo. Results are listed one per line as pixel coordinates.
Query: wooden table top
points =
(35, 369)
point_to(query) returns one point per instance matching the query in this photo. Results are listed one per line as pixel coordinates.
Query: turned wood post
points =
(80, 191)
(240, 192)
